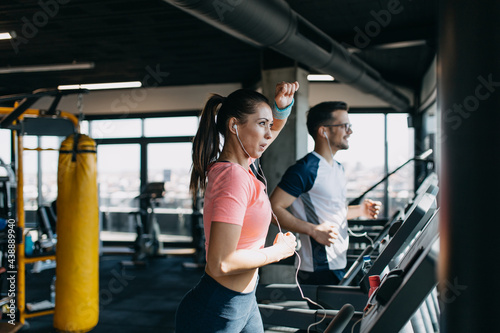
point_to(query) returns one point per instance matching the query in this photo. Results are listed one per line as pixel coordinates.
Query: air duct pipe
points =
(273, 24)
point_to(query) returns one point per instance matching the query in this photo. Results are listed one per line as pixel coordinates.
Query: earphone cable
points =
(299, 260)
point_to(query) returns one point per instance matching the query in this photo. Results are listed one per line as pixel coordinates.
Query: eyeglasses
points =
(347, 126)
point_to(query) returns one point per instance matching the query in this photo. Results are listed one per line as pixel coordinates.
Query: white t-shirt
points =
(320, 189)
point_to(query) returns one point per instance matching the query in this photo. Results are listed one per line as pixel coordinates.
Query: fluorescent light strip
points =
(5, 35)
(389, 46)
(102, 86)
(46, 68)
(400, 45)
(320, 77)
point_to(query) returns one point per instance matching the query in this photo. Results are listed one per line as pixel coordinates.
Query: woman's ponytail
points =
(206, 145)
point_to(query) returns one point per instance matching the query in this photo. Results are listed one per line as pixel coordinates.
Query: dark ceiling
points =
(127, 39)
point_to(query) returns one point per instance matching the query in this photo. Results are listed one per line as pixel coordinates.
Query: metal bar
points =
(53, 106)
(41, 258)
(21, 270)
(30, 99)
(18, 111)
(38, 314)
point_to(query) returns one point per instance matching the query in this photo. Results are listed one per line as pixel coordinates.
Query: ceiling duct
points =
(273, 24)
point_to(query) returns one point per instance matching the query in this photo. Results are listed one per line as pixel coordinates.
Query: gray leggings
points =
(212, 308)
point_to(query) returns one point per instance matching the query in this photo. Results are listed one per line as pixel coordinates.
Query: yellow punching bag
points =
(77, 254)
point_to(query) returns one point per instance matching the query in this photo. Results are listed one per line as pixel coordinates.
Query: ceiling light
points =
(102, 86)
(5, 35)
(320, 77)
(47, 68)
(400, 45)
(389, 46)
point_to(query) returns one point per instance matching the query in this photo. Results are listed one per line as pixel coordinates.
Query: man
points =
(315, 190)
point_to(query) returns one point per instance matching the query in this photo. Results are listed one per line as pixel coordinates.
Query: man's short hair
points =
(321, 113)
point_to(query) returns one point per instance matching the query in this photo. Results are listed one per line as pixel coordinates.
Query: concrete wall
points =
(124, 101)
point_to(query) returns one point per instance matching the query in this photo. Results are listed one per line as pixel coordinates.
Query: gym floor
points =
(132, 299)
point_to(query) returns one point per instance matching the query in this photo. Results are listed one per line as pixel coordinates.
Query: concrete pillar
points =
(290, 145)
(469, 105)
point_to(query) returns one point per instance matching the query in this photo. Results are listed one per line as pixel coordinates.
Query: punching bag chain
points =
(79, 105)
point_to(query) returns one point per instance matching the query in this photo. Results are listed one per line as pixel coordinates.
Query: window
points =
(30, 172)
(49, 160)
(170, 126)
(117, 128)
(364, 160)
(400, 150)
(5, 139)
(84, 127)
(366, 163)
(118, 175)
(40, 170)
(134, 152)
(171, 163)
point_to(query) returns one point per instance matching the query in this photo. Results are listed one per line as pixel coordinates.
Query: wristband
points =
(282, 113)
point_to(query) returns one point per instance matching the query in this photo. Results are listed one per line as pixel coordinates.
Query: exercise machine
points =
(285, 299)
(7, 213)
(407, 294)
(147, 243)
(392, 306)
(429, 185)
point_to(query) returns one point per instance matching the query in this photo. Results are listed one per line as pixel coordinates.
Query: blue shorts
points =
(210, 307)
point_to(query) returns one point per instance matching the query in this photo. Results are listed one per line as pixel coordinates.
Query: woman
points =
(237, 211)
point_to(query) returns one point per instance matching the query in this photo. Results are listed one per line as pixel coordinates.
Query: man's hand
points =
(370, 209)
(325, 234)
(284, 93)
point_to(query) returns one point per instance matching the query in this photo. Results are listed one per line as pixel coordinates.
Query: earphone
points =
(328, 143)
(241, 143)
